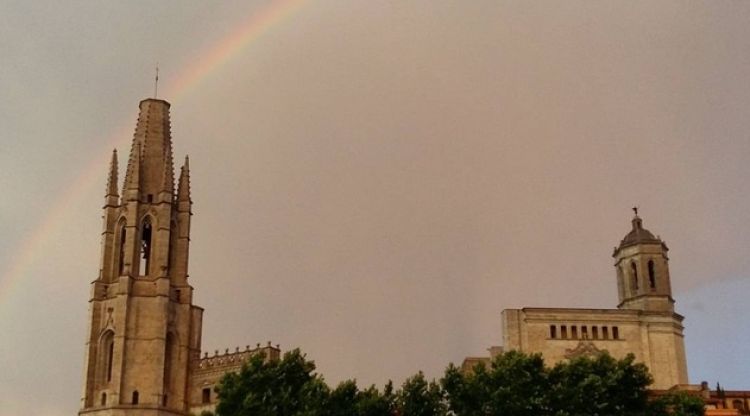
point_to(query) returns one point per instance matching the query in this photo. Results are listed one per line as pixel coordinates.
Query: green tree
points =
(514, 384)
(678, 404)
(348, 400)
(466, 393)
(342, 400)
(418, 397)
(290, 387)
(370, 402)
(286, 387)
(600, 385)
(519, 384)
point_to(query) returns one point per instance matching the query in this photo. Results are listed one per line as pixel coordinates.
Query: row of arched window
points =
(651, 275)
(582, 332)
(107, 360)
(738, 404)
(145, 248)
(134, 398)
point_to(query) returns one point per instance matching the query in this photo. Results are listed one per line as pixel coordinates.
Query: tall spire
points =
(183, 189)
(112, 178)
(152, 150)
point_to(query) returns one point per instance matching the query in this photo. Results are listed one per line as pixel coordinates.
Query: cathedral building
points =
(644, 322)
(143, 346)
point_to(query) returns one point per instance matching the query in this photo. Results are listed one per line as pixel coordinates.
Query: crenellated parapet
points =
(208, 370)
(222, 361)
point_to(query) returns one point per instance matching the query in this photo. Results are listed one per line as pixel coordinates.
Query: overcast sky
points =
(374, 181)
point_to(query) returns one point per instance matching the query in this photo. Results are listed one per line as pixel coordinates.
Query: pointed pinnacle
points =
(183, 189)
(112, 179)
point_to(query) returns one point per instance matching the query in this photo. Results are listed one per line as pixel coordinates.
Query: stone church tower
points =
(144, 337)
(144, 331)
(642, 271)
(644, 323)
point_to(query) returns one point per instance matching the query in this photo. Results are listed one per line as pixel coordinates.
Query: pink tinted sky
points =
(375, 181)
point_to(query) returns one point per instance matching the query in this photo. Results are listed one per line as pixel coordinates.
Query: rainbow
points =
(258, 23)
(250, 30)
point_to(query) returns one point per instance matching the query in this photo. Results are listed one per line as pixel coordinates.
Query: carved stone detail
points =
(583, 349)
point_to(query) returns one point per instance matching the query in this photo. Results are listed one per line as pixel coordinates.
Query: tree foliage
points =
(513, 384)
(290, 387)
(418, 397)
(273, 387)
(678, 404)
(599, 386)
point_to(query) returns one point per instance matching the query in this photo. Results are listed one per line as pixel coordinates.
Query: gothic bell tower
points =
(143, 328)
(641, 262)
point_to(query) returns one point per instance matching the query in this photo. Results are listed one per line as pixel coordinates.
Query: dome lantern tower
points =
(643, 270)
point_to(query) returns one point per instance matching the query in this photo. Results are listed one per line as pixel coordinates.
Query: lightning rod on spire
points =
(156, 82)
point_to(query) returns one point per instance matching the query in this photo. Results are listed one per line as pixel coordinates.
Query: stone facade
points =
(718, 402)
(644, 322)
(727, 401)
(144, 335)
(654, 338)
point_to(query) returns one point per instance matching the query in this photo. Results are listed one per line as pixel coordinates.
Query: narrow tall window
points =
(121, 253)
(206, 395)
(651, 275)
(595, 332)
(104, 399)
(168, 353)
(563, 331)
(105, 359)
(172, 244)
(145, 248)
(584, 332)
(605, 332)
(615, 333)
(552, 331)
(574, 332)
(110, 359)
(621, 281)
(635, 275)
(135, 397)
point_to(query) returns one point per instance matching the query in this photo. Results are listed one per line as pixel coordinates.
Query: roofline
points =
(155, 99)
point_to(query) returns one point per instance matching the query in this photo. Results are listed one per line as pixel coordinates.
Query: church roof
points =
(639, 235)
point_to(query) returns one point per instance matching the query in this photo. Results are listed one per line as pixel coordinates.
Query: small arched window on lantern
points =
(651, 275)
